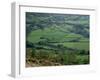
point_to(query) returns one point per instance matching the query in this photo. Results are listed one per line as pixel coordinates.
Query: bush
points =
(83, 52)
(83, 59)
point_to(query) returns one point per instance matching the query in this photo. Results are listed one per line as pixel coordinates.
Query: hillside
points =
(58, 35)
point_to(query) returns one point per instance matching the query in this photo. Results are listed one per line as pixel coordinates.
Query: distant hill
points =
(79, 24)
(70, 30)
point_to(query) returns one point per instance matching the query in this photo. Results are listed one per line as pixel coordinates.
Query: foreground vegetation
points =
(55, 58)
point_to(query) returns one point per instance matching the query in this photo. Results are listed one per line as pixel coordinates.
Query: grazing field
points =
(56, 39)
(77, 45)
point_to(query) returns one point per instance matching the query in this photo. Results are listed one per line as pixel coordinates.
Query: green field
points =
(77, 45)
(56, 39)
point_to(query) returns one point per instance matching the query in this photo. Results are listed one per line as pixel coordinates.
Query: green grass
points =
(56, 35)
(47, 33)
(77, 45)
(34, 36)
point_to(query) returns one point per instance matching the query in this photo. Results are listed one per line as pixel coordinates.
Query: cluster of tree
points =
(80, 29)
(83, 52)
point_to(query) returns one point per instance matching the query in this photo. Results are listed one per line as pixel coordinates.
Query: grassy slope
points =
(77, 45)
(54, 33)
